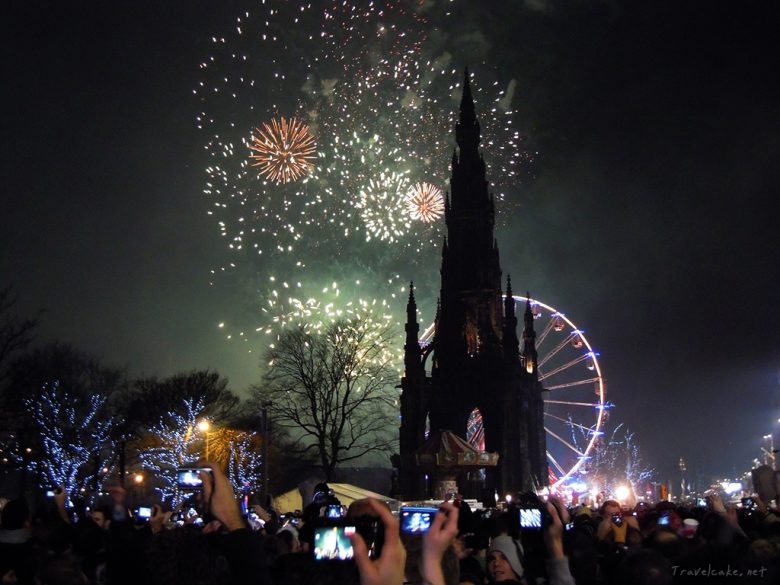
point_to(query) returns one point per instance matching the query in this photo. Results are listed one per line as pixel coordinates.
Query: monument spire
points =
(511, 342)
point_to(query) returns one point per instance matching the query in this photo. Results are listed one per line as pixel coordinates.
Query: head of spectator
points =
(60, 570)
(184, 557)
(101, 516)
(322, 493)
(15, 515)
(645, 567)
(503, 560)
(288, 536)
(668, 543)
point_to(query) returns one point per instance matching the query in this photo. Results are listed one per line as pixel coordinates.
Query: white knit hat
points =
(509, 548)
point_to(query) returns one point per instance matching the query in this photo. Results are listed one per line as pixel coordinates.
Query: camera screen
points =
(663, 520)
(333, 543)
(530, 518)
(416, 520)
(189, 478)
(144, 512)
(334, 511)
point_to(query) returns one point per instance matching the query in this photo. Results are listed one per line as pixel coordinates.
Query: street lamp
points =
(204, 426)
(265, 429)
(769, 453)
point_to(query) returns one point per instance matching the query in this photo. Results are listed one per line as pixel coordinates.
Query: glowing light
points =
(204, 425)
(622, 493)
(284, 151)
(425, 202)
(138, 478)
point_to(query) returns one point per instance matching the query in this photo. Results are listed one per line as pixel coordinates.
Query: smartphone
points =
(530, 518)
(49, 493)
(254, 521)
(569, 525)
(618, 519)
(188, 478)
(416, 519)
(334, 511)
(143, 513)
(663, 519)
(333, 543)
(748, 503)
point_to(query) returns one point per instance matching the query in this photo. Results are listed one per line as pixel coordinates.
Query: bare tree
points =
(151, 398)
(15, 331)
(332, 389)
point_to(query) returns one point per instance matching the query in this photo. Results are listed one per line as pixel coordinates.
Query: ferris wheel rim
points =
(601, 395)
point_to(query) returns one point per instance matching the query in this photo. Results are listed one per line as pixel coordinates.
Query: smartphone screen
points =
(333, 543)
(416, 520)
(334, 511)
(530, 518)
(188, 478)
(143, 513)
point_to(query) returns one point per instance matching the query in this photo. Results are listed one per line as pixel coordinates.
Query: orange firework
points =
(425, 202)
(283, 150)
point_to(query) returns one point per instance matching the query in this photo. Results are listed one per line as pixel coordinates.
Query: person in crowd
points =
(16, 552)
(503, 561)
(615, 526)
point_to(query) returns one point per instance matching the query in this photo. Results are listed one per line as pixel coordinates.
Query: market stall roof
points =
(446, 449)
(346, 493)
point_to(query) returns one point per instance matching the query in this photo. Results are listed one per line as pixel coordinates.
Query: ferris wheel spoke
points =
(592, 404)
(555, 463)
(565, 442)
(556, 349)
(570, 423)
(570, 384)
(545, 332)
(565, 366)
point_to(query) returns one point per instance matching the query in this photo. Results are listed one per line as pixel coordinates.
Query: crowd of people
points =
(211, 540)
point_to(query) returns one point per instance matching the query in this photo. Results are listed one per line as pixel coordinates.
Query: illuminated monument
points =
(475, 359)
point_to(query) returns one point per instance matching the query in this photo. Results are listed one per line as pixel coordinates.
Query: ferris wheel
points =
(575, 406)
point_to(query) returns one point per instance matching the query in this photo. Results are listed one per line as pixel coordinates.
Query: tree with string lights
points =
(75, 437)
(171, 443)
(244, 463)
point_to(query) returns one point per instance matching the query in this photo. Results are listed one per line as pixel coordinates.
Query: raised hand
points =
(388, 569)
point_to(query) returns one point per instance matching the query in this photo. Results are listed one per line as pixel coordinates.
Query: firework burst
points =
(284, 151)
(381, 203)
(425, 202)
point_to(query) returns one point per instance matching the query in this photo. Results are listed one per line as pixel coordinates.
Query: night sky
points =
(648, 214)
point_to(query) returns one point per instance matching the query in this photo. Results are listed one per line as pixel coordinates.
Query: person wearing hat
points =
(503, 561)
